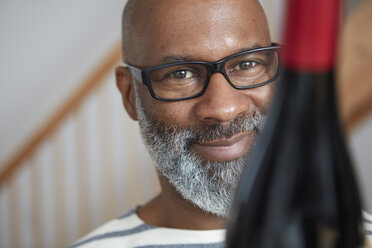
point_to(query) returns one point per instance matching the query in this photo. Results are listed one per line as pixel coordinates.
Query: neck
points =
(170, 210)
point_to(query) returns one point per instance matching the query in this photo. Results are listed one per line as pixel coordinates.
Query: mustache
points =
(184, 137)
(242, 123)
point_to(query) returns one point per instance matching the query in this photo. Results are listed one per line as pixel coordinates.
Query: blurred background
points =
(70, 157)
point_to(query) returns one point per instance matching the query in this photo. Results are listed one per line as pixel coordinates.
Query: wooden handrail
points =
(72, 103)
(356, 98)
(354, 71)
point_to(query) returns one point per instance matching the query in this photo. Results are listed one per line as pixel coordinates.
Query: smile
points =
(226, 149)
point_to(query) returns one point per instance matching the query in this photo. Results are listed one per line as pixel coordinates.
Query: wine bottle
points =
(299, 189)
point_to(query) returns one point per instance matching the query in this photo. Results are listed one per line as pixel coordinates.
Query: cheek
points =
(178, 112)
(262, 96)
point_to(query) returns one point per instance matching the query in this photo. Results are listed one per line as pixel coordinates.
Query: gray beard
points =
(207, 184)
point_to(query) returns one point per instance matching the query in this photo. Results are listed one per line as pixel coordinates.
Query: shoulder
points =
(118, 230)
(130, 231)
(367, 218)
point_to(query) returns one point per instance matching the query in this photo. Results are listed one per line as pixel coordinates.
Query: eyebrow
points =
(182, 58)
(251, 47)
(176, 58)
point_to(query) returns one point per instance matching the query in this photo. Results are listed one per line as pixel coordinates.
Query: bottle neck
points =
(311, 34)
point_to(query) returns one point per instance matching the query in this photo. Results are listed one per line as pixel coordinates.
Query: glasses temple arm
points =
(136, 72)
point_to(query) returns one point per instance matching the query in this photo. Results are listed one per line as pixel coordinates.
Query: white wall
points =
(361, 147)
(46, 49)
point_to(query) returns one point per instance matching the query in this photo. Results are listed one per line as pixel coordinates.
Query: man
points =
(198, 126)
(198, 120)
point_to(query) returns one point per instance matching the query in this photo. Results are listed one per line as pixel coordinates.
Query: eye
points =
(245, 65)
(181, 74)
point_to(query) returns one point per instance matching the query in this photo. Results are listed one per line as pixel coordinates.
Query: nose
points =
(221, 102)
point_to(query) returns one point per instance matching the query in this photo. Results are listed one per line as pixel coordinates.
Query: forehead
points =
(198, 29)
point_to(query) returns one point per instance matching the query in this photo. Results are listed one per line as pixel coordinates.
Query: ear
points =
(124, 85)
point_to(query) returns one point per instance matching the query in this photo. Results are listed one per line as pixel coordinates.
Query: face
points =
(214, 132)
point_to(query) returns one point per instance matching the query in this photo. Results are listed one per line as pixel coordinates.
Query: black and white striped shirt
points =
(130, 231)
(368, 227)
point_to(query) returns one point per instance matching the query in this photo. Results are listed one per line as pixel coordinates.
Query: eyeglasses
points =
(188, 79)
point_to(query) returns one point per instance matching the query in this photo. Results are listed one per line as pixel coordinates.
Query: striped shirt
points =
(130, 231)
(368, 227)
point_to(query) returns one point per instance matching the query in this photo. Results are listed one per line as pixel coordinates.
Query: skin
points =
(206, 30)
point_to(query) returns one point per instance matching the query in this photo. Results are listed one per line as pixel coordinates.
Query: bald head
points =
(129, 12)
(148, 19)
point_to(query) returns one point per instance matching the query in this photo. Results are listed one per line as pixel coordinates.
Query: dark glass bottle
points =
(299, 189)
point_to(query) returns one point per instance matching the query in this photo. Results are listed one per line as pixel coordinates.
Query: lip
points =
(226, 149)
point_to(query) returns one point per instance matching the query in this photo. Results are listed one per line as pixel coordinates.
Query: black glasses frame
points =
(143, 75)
